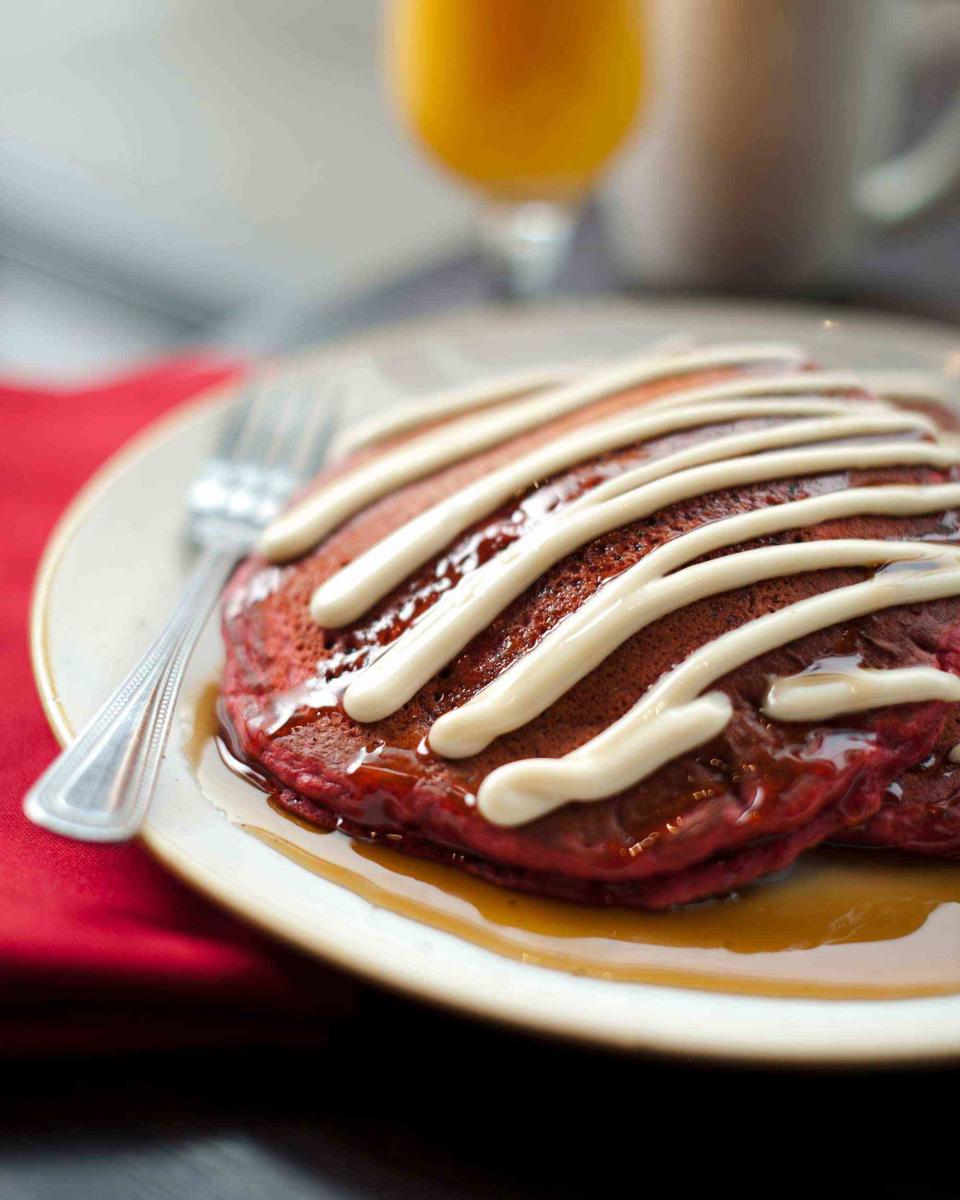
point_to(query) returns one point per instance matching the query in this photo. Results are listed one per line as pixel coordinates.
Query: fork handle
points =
(99, 788)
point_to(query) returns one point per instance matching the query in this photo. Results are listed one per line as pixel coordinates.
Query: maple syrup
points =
(841, 923)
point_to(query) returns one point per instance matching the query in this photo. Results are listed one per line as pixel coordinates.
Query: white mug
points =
(761, 157)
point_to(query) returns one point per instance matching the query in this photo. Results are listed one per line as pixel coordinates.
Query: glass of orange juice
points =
(526, 100)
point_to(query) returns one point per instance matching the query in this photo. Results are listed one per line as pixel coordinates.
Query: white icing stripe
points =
(401, 418)
(417, 655)
(672, 717)
(743, 387)
(296, 530)
(819, 695)
(349, 593)
(579, 643)
(909, 385)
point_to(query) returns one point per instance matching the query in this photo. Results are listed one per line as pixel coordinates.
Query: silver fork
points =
(100, 787)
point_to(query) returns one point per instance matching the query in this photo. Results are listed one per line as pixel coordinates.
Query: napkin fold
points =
(101, 948)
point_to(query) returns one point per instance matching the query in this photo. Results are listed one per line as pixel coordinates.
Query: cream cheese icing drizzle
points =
(673, 717)
(296, 530)
(840, 429)
(579, 643)
(421, 651)
(477, 394)
(369, 577)
(907, 385)
(819, 695)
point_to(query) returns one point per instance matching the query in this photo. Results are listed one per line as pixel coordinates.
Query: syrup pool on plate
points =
(840, 924)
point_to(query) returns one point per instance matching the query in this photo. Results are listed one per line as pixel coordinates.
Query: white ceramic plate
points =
(117, 560)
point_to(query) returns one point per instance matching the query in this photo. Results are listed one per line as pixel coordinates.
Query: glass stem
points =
(525, 246)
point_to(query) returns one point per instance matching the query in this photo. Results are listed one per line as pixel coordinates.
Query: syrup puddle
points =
(849, 924)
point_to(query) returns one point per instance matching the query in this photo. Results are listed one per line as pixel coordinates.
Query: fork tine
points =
(280, 427)
(318, 436)
(292, 426)
(258, 421)
(235, 421)
(266, 423)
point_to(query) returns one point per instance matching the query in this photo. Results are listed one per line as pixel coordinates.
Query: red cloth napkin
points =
(99, 946)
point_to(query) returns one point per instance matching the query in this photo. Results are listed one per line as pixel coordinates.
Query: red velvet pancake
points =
(740, 807)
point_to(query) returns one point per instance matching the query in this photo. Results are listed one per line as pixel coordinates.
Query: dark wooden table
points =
(408, 1101)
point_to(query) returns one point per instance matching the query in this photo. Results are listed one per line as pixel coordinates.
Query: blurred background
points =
(168, 165)
(229, 172)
